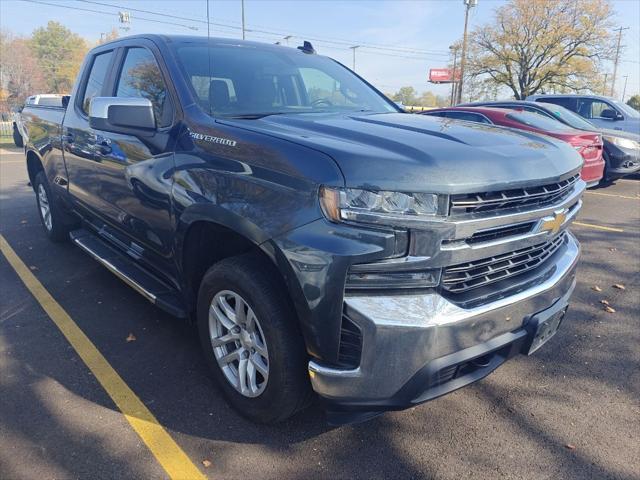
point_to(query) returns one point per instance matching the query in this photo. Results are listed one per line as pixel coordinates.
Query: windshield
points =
(626, 109)
(538, 121)
(251, 81)
(572, 119)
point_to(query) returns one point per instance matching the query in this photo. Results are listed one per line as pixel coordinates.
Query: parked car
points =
(320, 239)
(621, 151)
(605, 112)
(44, 100)
(588, 144)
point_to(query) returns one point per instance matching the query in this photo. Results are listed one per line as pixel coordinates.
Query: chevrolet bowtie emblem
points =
(553, 223)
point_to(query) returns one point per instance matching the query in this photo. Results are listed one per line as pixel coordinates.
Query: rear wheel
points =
(250, 339)
(17, 138)
(50, 212)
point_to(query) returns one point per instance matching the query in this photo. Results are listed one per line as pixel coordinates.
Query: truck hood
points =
(404, 152)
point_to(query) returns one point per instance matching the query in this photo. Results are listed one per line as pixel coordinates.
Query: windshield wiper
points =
(253, 116)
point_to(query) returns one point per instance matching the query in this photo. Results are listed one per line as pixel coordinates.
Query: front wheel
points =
(250, 339)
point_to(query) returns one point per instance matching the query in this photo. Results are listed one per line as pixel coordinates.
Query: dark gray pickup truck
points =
(320, 239)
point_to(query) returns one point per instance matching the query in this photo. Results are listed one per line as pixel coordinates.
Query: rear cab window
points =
(96, 79)
(468, 116)
(538, 121)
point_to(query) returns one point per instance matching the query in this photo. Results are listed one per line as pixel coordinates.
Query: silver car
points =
(605, 112)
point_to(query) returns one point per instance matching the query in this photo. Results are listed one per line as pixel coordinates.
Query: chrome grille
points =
(519, 197)
(501, 232)
(466, 276)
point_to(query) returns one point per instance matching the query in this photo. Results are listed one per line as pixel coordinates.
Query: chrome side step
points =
(143, 282)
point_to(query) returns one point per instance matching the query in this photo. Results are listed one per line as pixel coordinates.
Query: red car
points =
(588, 144)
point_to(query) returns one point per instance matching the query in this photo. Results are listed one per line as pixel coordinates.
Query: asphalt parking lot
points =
(571, 411)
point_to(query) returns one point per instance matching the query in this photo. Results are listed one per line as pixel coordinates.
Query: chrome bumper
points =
(403, 334)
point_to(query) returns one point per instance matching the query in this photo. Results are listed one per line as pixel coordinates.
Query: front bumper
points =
(622, 162)
(418, 347)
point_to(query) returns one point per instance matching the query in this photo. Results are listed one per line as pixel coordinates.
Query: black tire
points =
(58, 231)
(17, 138)
(606, 180)
(288, 389)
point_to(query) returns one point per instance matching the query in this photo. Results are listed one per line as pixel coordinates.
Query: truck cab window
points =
(140, 77)
(590, 108)
(95, 82)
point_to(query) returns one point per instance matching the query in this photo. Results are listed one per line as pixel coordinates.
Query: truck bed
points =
(42, 125)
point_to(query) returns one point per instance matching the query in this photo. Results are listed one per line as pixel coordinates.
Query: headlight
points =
(386, 208)
(623, 142)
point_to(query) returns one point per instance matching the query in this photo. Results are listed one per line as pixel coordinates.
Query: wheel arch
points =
(208, 233)
(34, 166)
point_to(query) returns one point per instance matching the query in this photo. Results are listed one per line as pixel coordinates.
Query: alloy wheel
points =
(45, 209)
(238, 343)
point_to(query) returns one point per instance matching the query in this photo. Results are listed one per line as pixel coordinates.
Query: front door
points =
(131, 176)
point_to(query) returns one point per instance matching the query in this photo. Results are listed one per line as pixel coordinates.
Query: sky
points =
(415, 33)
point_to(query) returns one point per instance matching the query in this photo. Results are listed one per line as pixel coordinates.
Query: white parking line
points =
(613, 195)
(599, 227)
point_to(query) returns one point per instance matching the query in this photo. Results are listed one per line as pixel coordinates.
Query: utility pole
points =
(242, 4)
(624, 90)
(604, 88)
(468, 4)
(615, 62)
(454, 49)
(353, 67)
(286, 39)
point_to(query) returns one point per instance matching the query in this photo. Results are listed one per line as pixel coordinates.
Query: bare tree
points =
(538, 45)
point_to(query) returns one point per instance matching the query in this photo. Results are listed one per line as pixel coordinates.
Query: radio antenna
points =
(209, 53)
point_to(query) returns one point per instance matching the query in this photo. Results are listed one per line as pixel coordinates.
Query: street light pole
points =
(353, 67)
(468, 4)
(615, 62)
(242, 4)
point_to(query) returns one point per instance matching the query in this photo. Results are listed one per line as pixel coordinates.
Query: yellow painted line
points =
(172, 458)
(599, 227)
(613, 195)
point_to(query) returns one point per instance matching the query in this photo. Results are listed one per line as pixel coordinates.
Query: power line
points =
(335, 41)
(372, 50)
(102, 12)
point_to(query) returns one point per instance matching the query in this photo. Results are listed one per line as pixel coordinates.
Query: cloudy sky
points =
(400, 40)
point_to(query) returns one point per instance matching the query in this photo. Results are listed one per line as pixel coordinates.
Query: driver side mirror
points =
(133, 116)
(611, 114)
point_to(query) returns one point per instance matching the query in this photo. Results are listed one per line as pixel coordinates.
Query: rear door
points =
(136, 172)
(78, 138)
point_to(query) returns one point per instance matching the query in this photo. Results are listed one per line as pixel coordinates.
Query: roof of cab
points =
(197, 39)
